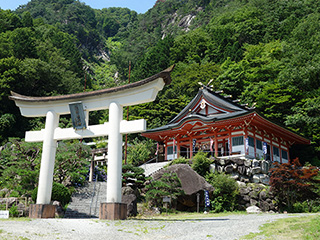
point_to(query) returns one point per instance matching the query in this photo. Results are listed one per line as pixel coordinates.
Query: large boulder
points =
(129, 197)
(191, 181)
(253, 209)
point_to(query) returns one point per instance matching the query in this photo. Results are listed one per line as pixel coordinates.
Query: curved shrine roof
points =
(223, 112)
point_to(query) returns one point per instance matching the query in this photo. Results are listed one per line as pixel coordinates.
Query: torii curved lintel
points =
(127, 95)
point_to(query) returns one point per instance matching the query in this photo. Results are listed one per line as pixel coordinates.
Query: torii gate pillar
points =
(113, 99)
(114, 209)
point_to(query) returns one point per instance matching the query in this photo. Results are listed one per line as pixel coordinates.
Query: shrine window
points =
(276, 151)
(251, 141)
(259, 144)
(284, 154)
(170, 150)
(237, 141)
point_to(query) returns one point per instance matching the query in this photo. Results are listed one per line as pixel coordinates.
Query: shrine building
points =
(222, 127)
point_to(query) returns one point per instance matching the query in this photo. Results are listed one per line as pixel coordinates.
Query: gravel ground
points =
(227, 227)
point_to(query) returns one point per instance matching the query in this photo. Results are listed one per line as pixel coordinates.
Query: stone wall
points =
(243, 169)
(252, 176)
(256, 194)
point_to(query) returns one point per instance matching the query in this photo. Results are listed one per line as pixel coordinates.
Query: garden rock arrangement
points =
(258, 195)
(253, 180)
(243, 169)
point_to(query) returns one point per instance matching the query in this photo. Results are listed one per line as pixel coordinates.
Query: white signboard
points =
(4, 214)
(167, 199)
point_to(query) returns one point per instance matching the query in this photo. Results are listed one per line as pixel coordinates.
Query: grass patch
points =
(187, 215)
(20, 219)
(304, 227)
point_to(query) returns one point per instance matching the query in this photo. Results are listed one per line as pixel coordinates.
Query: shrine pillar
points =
(42, 208)
(114, 155)
(113, 209)
(47, 159)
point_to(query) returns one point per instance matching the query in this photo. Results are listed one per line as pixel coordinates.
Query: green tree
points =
(139, 151)
(71, 164)
(292, 183)
(168, 185)
(226, 191)
(201, 164)
(19, 169)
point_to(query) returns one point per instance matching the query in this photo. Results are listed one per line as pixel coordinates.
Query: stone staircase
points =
(151, 168)
(85, 201)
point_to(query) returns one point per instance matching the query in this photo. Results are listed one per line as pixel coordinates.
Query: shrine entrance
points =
(79, 105)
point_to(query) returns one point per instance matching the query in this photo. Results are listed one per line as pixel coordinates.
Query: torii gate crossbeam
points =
(113, 99)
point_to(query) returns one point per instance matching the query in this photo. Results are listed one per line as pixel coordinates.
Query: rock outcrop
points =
(192, 184)
(243, 169)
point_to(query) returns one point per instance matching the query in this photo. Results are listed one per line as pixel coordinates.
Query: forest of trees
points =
(260, 51)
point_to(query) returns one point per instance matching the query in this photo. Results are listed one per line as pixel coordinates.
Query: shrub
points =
(59, 193)
(168, 185)
(306, 206)
(180, 160)
(226, 191)
(139, 151)
(13, 211)
(291, 183)
(134, 176)
(201, 164)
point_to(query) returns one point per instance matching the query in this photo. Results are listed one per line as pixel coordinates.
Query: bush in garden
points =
(294, 184)
(201, 164)
(59, 193)
(180, 160)
(13, 211)
(226, 191)
(309, 206)
(139, 151)
(133, 176)
(168, 185)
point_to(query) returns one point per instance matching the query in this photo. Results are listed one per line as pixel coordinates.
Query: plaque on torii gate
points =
(113, 99)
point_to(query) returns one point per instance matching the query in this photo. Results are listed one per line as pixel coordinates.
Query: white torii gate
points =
(113, 99)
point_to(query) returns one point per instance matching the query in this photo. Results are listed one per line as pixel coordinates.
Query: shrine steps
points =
(151, 168)
(85, 201)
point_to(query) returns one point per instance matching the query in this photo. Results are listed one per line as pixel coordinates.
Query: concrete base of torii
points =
(113, 211)
(42, 211)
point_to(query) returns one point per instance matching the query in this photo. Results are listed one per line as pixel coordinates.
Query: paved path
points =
(228, 227)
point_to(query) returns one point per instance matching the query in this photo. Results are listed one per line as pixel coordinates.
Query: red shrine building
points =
(221, 127)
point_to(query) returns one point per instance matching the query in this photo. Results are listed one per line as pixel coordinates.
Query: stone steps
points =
(85, 201)
(151, 168)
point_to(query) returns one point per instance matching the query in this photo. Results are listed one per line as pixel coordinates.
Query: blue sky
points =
(140, 6)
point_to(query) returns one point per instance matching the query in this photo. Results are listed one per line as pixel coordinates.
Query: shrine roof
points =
(165, 75)
(205, 119)
(214, 110)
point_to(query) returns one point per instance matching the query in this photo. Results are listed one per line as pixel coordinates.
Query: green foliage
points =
(201, 164)
(140, 151)
(19, 168)
(292, 183)
(71, 165)
(59, 193)
(168, 185)
(133, 176)
(20, 164)
(13, 211)
(180, 160)
(308, 206)
(226, 191)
